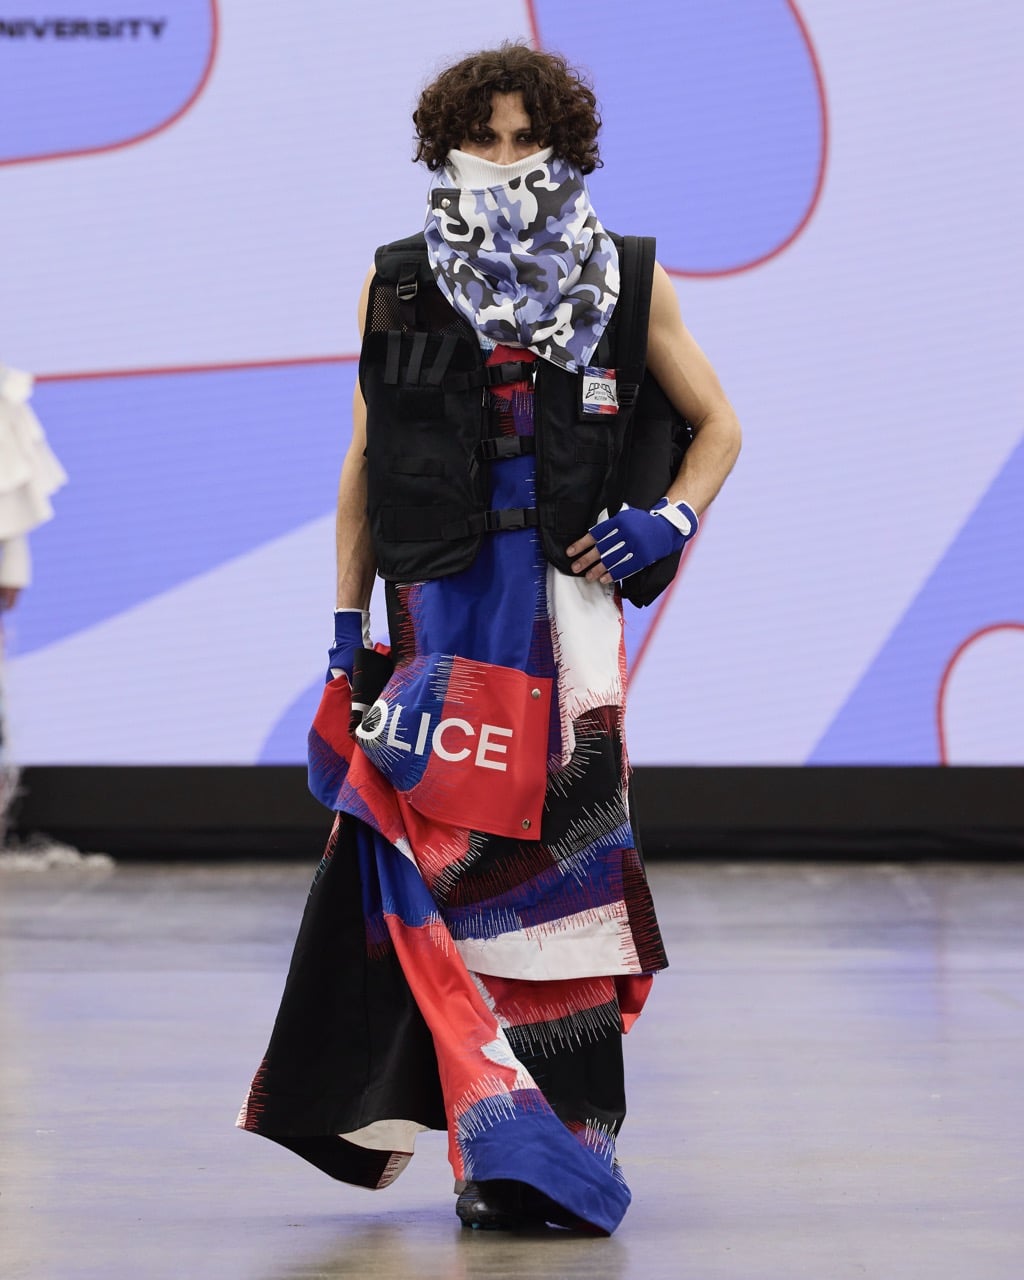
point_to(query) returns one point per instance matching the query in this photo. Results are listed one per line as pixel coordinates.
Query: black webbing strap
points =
(435, 375)
(498, 448)
(500, 375)
(439, 524)
(492, 375)
(506, 518)
(443, 359)
(636, 263)
(636, 266)
(408, 280)
(406, 290)
(419, 347)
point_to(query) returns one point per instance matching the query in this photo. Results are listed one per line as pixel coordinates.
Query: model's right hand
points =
(351, 632)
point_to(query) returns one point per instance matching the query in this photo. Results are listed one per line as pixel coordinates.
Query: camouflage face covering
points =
(525, 261)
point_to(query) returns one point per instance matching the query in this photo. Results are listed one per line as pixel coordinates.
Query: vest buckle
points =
(498, 448)
(510, 518)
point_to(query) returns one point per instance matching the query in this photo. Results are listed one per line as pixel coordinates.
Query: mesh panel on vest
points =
(433, 312)
(384, 311)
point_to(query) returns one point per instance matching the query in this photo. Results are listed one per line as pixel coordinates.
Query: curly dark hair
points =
(561, 105)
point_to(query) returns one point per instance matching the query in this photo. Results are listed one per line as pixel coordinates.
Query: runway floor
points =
(827, 1083)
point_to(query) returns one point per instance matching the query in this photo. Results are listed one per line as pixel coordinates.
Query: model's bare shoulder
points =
(673, 356)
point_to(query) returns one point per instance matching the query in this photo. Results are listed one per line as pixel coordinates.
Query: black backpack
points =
(657, 435)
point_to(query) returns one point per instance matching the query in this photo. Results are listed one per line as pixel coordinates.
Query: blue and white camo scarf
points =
(526, 262)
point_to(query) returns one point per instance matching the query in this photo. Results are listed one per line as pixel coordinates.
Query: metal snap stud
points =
(526, 824)
(534, 693)
(445, 203)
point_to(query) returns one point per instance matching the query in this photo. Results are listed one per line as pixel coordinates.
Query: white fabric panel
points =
(577, 946)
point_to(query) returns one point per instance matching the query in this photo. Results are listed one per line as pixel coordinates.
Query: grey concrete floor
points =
(827, 1083)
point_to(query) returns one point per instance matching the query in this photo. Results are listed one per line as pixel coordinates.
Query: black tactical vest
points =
(430, 441)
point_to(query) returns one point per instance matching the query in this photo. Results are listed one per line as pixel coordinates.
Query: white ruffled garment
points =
(29, 475)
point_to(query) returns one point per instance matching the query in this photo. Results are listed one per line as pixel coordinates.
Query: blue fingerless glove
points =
(351, 632)
(633, 538)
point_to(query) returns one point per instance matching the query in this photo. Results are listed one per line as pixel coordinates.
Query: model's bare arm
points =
(357, 563)
(687, 378)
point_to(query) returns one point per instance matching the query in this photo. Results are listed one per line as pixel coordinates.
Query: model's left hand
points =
(632, 539)
(351, 632)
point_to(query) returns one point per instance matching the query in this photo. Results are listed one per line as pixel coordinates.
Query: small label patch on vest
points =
(598, 392)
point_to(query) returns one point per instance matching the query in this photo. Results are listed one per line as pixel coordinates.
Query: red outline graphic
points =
(957, 654)
(149, 133)
(819, 81)
(348, 358)
(531, 13)
(222, 367)
(822, 160)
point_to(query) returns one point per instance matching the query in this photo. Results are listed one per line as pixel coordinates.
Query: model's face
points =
(507, 136)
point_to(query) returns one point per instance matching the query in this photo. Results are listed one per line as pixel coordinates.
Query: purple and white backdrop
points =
(191, 198)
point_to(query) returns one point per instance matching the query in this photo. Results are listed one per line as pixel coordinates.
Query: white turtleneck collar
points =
(475, 174)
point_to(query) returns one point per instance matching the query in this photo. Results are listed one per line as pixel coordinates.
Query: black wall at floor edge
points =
(261, 811)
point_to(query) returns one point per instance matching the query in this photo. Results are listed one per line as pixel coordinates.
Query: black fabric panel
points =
(572, 520)
(592, 454)
(413, 466)
(393, 358)
(420, 404)
(349, 1045)
(417, 524)
(583, 1081)
(339, 1159)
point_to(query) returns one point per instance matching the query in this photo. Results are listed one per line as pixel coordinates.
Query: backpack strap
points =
(636, 282)
(636, 272)
(403, 257)
(403, 266)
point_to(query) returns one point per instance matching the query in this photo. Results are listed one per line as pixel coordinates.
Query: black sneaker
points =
(491, 1206)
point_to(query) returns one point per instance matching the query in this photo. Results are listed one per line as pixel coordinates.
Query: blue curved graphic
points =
(173, 474)
(715, 128)
(286, 742)
(97, 80)
(890, 718)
